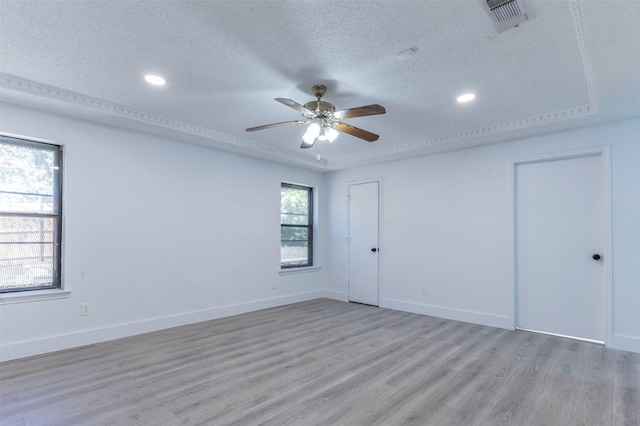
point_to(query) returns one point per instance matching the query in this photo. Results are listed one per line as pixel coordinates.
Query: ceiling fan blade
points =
(307, 145)
(268, 126)
(361, 111)
(355, 131)
(293, 104)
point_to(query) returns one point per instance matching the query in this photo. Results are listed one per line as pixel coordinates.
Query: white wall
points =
(157, 233)
(450, 229)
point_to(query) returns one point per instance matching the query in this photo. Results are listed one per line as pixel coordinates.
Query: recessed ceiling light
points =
(466, 97)
(156, 80)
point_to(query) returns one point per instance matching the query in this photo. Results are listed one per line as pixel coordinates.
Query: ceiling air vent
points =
(506, 14)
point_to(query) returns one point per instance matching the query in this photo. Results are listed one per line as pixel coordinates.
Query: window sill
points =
(301, 270)
(33, 296)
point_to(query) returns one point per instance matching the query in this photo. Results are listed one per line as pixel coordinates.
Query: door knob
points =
(374, 249)
(596, 256)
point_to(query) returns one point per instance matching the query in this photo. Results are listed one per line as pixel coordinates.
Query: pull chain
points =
(318, 149)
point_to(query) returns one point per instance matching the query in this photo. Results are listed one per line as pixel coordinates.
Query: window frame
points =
(309, 225)
(39, 291)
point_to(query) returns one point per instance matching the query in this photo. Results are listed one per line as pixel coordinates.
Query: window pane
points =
(294, 233)
(294, 219)
(294, 245)
(27, 252)
(294, 253)
(20, 203)
(294, 201)
(26, 169)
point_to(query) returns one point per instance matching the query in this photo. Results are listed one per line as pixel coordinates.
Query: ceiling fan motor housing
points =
(321, 106)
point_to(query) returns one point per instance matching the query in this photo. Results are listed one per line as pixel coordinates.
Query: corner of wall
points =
(335, 295)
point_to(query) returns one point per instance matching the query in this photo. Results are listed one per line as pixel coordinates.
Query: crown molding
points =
(59, 95)
(468, 134)
(578, 24)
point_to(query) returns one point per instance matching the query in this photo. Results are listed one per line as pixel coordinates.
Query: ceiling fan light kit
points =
(328, 133)
(324, 121)
(313, 131)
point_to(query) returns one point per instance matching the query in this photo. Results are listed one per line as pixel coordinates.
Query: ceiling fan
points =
(323, 119)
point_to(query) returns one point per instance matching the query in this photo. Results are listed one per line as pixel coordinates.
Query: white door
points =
(559, 231)
(363, 243)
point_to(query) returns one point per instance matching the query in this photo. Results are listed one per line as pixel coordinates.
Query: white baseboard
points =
(481, 318)
(624, 343)
(335, 295)
(87, 337)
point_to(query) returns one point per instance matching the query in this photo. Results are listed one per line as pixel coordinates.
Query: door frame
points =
(604, 152)
(347, 197)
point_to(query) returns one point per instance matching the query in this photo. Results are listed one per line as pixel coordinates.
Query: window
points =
(30, 215)
(296, 226)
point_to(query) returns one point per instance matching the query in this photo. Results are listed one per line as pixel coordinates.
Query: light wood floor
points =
(325, 362)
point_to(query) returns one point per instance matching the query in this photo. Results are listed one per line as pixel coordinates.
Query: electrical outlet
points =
(274, 285)
(423, 289)
(85, 309)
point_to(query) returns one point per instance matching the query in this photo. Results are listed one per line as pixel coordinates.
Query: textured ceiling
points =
(573, 63)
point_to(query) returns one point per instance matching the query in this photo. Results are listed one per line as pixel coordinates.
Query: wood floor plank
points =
(361, 408)
(325, 362)
(626, 396)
